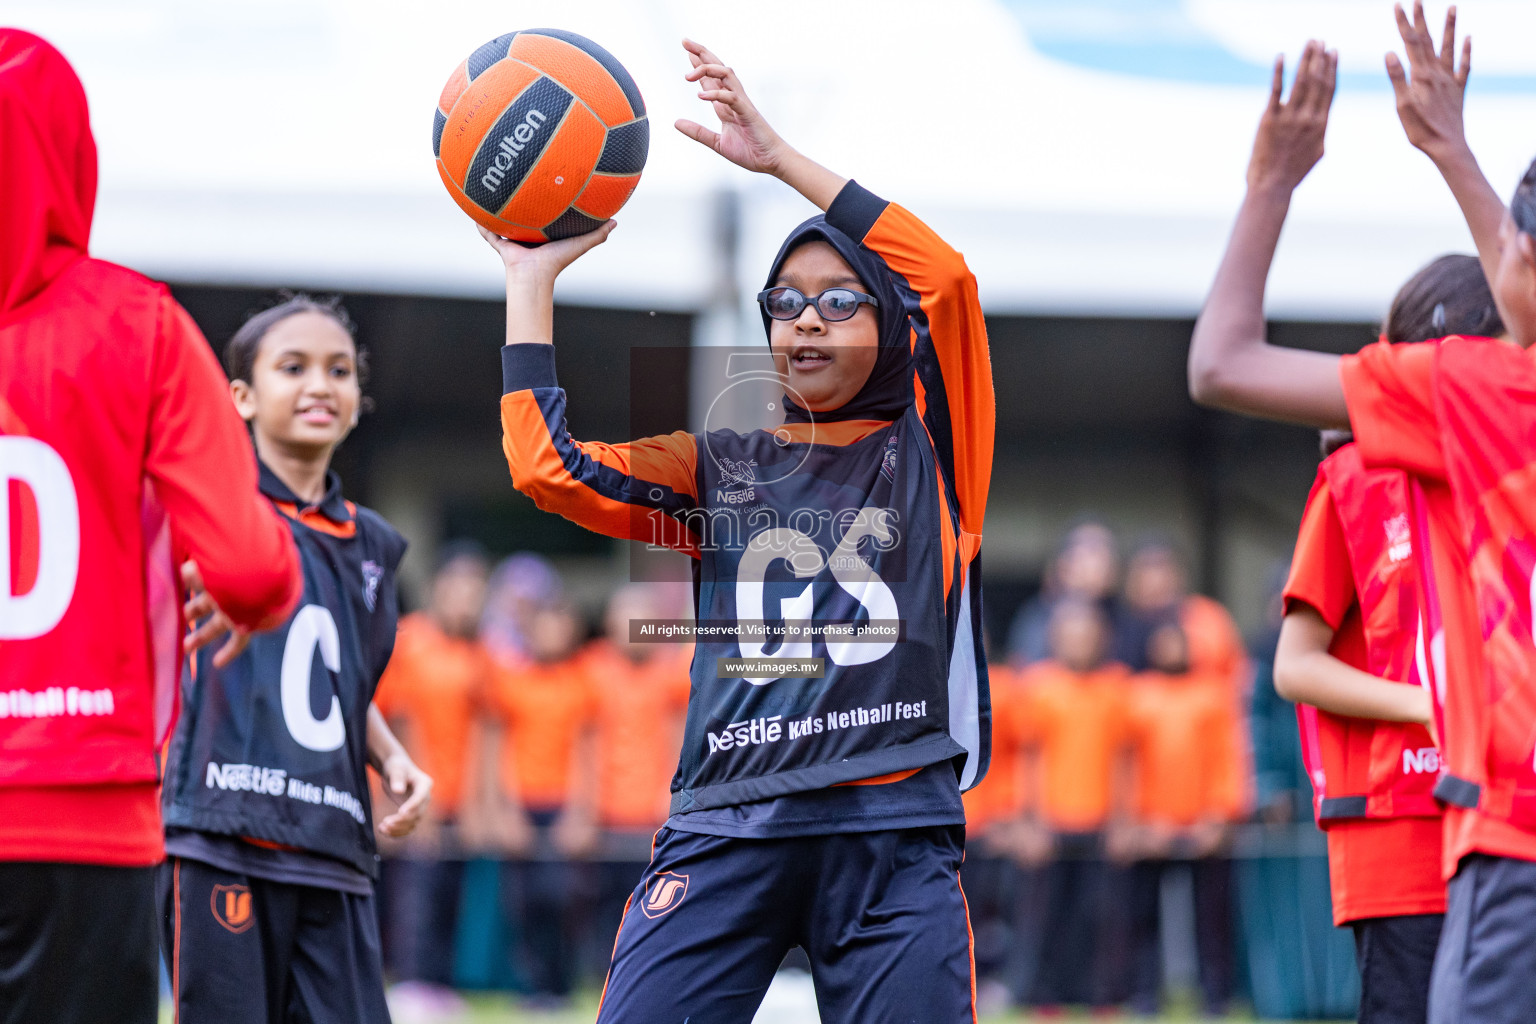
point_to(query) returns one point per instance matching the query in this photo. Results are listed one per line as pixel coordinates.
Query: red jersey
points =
(1355, 565)
(118, 446)
(1456, 414)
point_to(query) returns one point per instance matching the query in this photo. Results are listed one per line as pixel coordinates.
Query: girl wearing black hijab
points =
(839, 702)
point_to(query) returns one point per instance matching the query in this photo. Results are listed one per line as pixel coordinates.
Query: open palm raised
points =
(744, 138)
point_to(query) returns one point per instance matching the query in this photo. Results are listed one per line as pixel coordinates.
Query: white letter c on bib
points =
(312, 627)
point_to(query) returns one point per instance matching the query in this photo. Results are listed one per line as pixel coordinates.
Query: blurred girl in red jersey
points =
(269, 913)
(1442, 433)
(1349, 642)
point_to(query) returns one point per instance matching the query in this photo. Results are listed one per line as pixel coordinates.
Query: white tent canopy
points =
(1086, 157)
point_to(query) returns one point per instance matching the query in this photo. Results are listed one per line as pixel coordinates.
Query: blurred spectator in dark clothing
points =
(1086, 567)
(1282, 790)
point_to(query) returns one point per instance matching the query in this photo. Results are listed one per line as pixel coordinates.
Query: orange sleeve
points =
(645, 490)
(1225, 774)
(1389, 390)
(1320, 575)
(204, 473)
(949, 346)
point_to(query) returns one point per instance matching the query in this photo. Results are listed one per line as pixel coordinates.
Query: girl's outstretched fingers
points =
(552, 256)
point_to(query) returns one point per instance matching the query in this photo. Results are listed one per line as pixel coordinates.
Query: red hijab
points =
(47, 167)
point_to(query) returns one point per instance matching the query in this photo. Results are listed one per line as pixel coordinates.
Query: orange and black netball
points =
(540, 134)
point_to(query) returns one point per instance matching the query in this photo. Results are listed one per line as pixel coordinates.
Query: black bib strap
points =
(1337, 807)
(1458, 791)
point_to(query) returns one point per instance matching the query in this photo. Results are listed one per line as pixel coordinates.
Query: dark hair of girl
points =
(240, 353)
(1448, 296)
(1523, 206)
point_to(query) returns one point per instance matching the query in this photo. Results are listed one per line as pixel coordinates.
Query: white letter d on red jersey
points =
(42, 470)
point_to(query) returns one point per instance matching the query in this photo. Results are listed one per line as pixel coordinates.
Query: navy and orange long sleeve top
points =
(846, 520)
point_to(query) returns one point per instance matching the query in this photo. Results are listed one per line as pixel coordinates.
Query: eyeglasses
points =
(785, 303)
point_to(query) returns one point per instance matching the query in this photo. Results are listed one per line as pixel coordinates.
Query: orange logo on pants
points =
(663, 892)
(232, 907)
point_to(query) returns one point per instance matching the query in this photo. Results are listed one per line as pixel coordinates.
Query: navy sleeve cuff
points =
(527, 366)
(855, 210)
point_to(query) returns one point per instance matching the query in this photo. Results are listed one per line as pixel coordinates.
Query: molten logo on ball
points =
(510, 146)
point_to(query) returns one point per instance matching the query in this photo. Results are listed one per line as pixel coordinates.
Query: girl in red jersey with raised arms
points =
(267, 897)
(1457, 416)
(817, 799)
(1353, 636)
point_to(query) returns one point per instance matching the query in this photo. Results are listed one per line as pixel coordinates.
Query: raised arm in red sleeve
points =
(204, 474)
(1390, 393)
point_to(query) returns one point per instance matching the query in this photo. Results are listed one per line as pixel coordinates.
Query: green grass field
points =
(496, 1009)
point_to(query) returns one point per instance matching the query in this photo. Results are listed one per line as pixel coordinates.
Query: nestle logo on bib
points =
(510, 146)
(1424, 761)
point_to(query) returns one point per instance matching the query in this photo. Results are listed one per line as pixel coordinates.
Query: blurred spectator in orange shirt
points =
(640, 694)
(1074, 713)
(997, 892)
(545, 707)
(1189, 789)
(1157, 591)
(995, 807)
(431, 694)
(639, 697)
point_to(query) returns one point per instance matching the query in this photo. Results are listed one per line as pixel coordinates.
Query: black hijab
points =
(888, 391)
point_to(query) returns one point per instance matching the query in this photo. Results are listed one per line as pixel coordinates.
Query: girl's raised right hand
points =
(1290, 138)
(546, 259)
